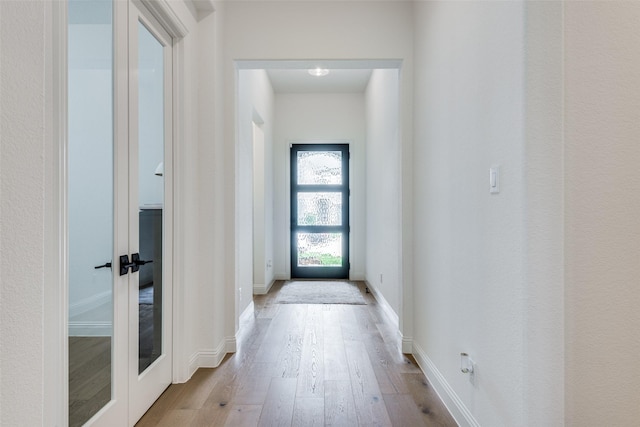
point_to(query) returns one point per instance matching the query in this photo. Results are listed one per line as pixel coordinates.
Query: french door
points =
(320, 211)
(119, 211)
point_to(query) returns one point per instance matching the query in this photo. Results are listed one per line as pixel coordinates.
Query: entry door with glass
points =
(119, 211)
(320, 211)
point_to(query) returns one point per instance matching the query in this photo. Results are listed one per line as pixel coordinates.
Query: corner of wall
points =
(544, 351)
(406, 343)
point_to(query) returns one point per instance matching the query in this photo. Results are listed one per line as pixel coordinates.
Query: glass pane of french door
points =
(151, 141)
(90, 206)
(320, 211)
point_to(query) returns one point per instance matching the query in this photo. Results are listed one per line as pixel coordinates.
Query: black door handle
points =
(125, 265)
(137, 262)
(135, 258)
(107, 265)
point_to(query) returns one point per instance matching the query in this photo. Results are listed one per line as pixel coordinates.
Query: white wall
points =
(470, 244)
(602, 178)
(24, 131)
(383, 224)
(309, 118)
(255, 105)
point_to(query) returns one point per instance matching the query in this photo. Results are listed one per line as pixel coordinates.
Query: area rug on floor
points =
(307, 292)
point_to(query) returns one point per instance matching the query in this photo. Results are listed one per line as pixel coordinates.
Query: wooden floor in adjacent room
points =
(307, 365)
(89, 377)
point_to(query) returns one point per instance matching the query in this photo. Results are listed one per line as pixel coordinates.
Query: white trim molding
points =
(85, 328)
(261, 288)
(447, 395)
(357, 276)
(207, 358)
(168, 18)
(392, 316)
(230, 345)
(56, 310)
(406, 345)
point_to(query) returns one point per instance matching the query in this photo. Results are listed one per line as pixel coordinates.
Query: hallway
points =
(302, 365)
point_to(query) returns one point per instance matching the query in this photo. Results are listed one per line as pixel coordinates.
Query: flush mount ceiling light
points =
(318, 72)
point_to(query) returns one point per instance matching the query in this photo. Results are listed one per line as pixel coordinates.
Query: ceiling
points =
(337, 81)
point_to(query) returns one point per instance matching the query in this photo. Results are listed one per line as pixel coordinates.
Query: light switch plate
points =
(494, 179)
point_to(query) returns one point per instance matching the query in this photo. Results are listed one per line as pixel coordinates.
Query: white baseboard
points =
(448, 396)
(391, 315)
(90, 328)
(213, 358)
(261, 288)
(357, 275)
(207, 358)
(406, 344)
(281, 276)
(230, 345)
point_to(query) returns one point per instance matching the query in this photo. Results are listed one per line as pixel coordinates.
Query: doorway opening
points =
(355, 102)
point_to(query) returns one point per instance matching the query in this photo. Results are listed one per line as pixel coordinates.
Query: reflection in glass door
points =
(150, 195)
(90, 206)
(320, 211)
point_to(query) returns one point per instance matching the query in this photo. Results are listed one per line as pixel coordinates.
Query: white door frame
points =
(56, 369)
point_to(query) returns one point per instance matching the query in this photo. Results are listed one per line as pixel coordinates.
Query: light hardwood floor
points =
(307, 365)
(89, 377)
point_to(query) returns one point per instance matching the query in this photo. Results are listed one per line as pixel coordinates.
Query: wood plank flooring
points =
(307, 365)
(89, 377)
